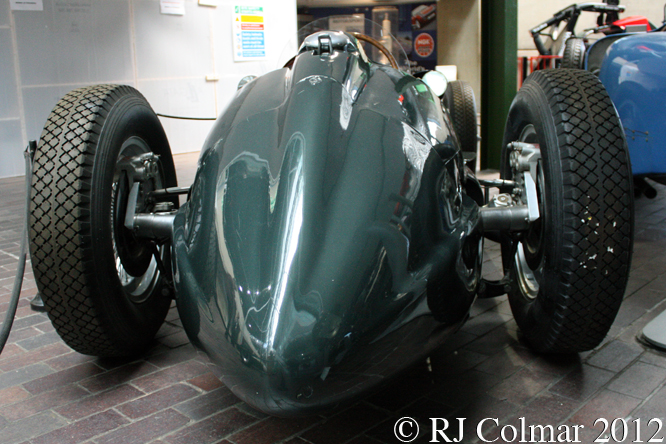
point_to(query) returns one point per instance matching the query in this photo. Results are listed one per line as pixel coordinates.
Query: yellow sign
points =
(252, 18)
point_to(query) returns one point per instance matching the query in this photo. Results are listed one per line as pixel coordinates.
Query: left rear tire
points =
(459, 101)
(102, 287)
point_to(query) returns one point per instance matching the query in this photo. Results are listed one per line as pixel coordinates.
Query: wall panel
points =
(8, 95)
(73, 43)
(11, 146)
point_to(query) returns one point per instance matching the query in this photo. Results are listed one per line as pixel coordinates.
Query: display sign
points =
(26, 5)
(172, 7)
(424, 36)
(249, 38)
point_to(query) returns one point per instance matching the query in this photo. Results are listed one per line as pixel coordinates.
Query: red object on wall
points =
(527, 65)
(424, 44)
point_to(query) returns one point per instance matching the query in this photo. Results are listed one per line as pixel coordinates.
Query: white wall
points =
(73, 43)
(340, 3)
(459, 40)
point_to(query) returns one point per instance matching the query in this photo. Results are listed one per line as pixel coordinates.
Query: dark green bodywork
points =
(327, 243)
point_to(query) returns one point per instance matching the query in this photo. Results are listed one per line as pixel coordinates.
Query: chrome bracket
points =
(155, 225)
(140, 168)
(515, 211)
(524, 158)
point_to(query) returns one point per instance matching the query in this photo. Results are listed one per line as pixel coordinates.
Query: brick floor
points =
(50, 394)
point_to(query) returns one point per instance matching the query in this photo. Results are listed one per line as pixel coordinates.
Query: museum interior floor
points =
(50, 394)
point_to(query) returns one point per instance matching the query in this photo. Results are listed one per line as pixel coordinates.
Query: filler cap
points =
(326, 42)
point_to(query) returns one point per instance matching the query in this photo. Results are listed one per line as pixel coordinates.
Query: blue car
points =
(634, 74)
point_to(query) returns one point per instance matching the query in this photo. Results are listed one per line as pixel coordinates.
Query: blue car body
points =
(634, 73)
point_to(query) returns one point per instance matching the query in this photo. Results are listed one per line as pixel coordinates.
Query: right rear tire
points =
(569, 271)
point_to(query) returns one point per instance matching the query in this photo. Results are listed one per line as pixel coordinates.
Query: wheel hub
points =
(134, 254)
(527, 171)
(137, 166)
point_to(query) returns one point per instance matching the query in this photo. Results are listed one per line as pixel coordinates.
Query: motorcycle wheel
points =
(574, 53)
(459, 101)
(102, 287)
(570, 270)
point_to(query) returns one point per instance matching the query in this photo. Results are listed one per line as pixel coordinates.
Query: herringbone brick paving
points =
(50, 394)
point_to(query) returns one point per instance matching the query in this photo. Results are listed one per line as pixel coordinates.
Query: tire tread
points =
(598, 210)
(462, 107)
(60, 211)
(574, 53)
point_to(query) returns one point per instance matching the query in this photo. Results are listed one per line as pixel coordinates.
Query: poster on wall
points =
(26, 5)
(424, 36)
(423, 17)
(172, 7)
(415, 28)
(249, 37)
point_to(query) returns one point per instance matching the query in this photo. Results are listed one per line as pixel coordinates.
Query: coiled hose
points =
(18, 280)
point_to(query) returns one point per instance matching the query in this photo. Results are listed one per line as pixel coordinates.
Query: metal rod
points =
(515, 218)
(173, 191)
(497, 183)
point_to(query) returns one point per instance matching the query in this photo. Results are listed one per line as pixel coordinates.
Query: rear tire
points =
(574, 53)
(459, 101)
(570, 270)
(101, 286)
